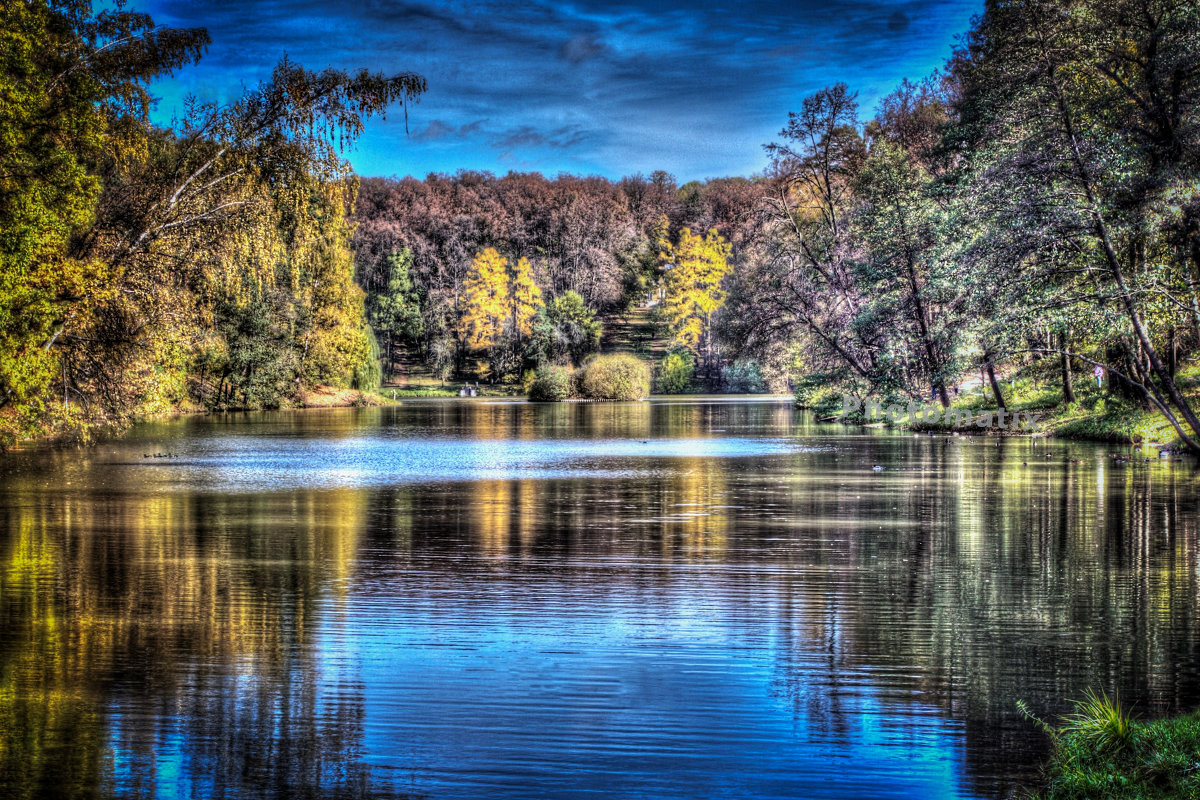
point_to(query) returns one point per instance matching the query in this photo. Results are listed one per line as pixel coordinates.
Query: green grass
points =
(1100, 752)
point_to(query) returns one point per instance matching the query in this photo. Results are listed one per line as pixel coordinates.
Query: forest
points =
(1033, 205)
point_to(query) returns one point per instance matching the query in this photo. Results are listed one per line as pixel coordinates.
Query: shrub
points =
(743, 377)
(615, 377)
(550, 384)
(675, 373)
(820, 392)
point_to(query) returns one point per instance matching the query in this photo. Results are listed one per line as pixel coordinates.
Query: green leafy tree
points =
(901, 274)
(69, 78)
(565, 331)
(395, 312)
(676, 373)
(1082, 121)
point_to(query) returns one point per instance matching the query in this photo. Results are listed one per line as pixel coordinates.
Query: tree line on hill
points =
(491, 277)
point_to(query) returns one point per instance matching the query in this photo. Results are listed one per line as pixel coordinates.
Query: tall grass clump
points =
(619, 376)
(1099, 752)
(1100, 722)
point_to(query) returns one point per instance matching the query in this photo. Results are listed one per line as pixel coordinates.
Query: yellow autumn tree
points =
(485, 300)
(525, 298)
(695, 267)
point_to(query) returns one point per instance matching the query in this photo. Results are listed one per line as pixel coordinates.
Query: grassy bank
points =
(1096, 414)
(1100, 752)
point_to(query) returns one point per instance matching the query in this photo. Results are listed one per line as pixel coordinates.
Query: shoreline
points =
(1171, 446)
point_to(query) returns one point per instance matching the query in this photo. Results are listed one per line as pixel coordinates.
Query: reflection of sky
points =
(488, 695)
(593, 86)
(239, 464)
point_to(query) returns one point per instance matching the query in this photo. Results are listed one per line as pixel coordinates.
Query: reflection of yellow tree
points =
(530, 504)
(502, 509)
(174, 591)
(50, 728)
(697, 522)
(491, 516)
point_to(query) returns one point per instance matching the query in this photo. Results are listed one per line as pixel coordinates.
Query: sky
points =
(591, 87)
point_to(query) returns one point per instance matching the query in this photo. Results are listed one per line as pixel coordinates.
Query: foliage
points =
(695, 269)
(820, 393)
(1042, 195)
(676, 373)
(743, 377)
(526, 297)
(500, 304)
(619, 376)
(1083, 183)
(144, 268)
(565, 331)
(486, 305)
(68, 78)
(394, 310)
(587, 237)
(1100, 752)
(368, 374)
(551, 383)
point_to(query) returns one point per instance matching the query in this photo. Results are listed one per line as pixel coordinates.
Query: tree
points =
(395, 312)
(132, 254)
(565, 331)
(69, 79)
(900, 272)
(1083, 122)
(798, 285)
(486, 304)
(525, 298)
(695, 269)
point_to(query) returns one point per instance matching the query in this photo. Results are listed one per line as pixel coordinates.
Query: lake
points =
(691, 598)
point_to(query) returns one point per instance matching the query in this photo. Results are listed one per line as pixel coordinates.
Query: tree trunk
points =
(1067, 382)
(991, 374)
(391, 359)
(1172, 354)
(931, 358)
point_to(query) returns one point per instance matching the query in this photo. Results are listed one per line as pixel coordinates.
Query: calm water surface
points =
(473, 599)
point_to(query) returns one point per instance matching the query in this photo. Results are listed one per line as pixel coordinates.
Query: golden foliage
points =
(498, 299)
(696, 266)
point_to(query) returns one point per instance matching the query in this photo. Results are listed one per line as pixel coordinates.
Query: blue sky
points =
(589, 87)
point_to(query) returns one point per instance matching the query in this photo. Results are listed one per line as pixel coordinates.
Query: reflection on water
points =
(470, 599)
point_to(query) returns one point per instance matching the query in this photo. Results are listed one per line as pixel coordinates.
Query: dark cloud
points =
(594, 86)
(438, 129)
(897, 22)
(528, 137)
(578, 49)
